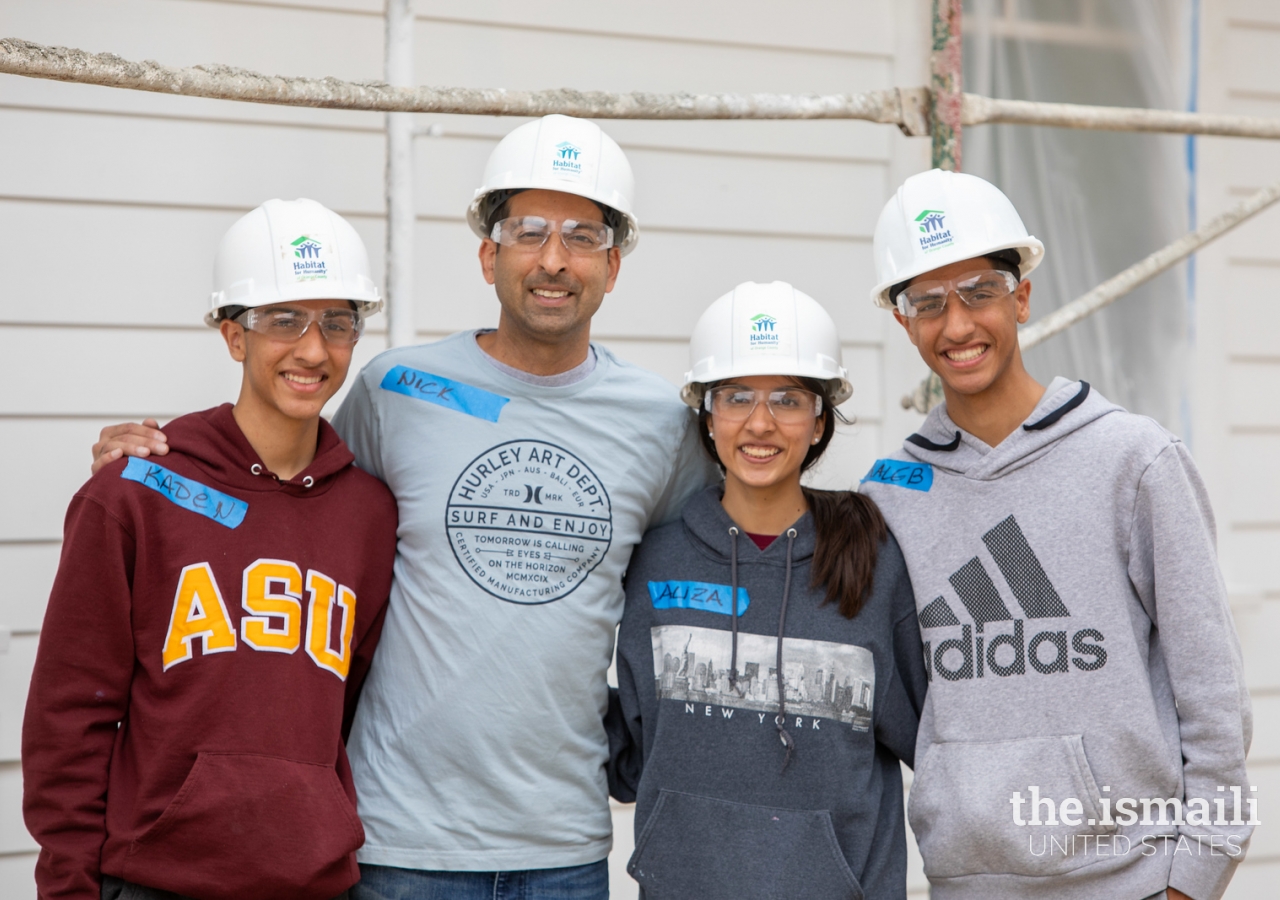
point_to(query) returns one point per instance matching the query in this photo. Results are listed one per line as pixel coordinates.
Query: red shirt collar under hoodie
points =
(226, 776)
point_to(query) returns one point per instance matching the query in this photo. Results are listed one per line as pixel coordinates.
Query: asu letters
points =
(272, 596)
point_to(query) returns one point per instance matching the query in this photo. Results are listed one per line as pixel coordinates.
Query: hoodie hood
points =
(1065, 407)
(708, 525)
(213, 441)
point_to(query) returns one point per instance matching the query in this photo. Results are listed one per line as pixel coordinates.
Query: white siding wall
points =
(111, 203)
(1236, 404)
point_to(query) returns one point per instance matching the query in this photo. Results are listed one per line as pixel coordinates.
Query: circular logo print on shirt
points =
(528, 521)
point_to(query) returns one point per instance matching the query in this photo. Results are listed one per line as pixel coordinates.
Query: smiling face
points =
(290, 378)
(761, 452)
(548, 294)
(970, 349)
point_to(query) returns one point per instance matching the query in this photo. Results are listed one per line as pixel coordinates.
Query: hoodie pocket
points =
(711, 849)
(964, 813)
(245, 826)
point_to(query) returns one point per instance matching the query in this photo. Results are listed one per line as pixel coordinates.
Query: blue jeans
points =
(590, 882)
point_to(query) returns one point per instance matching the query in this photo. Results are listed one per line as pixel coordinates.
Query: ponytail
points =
(848, 531)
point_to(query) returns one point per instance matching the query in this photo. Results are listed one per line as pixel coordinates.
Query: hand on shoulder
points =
(128, 439)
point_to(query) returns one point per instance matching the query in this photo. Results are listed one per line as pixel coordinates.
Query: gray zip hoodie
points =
(1080, 652)
(782, 780)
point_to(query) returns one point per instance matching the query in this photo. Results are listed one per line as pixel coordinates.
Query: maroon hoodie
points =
(197, 669)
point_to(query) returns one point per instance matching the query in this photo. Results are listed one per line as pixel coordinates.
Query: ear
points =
(819, 429)
(906, 326)
(233, 334)
(1023, 297)
(615, 264)
(488, 259)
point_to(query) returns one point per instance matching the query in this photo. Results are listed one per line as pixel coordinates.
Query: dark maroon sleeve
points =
(360, 662)
(79, 693)
(380, 551)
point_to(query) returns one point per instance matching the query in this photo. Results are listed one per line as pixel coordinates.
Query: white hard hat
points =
(561, 153)
(289, 250)
(937, 218)
(765, 329)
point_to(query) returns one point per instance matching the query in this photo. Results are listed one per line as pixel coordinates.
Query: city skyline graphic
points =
(822, 678)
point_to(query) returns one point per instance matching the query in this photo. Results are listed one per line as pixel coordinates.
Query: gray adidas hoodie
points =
(725, 810)
(1080, 651)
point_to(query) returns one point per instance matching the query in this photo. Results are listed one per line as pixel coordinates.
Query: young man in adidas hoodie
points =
(1086, 725)
(213, 617)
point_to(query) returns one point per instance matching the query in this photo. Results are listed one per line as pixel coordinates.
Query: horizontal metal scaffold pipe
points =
(979, 110)
(18, 57)
(929, 392)
(905, 107)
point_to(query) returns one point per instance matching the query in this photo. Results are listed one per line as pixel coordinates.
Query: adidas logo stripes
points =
(1007, 653)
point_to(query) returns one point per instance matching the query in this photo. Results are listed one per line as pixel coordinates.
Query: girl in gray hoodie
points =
(769, 665)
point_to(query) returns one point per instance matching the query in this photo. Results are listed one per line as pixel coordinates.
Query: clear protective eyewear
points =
(531, 232)
(337, 326)
(928, 299)
(788, 406)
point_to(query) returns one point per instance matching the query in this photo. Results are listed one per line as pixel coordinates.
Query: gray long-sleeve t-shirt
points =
(1081, 651)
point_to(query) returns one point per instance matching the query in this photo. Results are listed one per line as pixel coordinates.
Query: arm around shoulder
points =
(634, 697)
(901, 718)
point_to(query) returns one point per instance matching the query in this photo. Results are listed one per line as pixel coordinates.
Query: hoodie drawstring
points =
(733, 608)
(787, 740)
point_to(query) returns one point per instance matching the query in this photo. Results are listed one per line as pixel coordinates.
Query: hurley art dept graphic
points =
(528, 521)
(821, 678)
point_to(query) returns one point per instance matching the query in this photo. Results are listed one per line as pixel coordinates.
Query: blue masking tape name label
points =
(445, 392)
(182, 491)
(696, 595)
(912, 475)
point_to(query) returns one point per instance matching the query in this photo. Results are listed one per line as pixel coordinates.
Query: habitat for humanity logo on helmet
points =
(565, 161)
(933, 234)
(307, 262)
(763, 334)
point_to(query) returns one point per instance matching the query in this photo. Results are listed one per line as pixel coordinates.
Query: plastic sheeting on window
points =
(1100, 201)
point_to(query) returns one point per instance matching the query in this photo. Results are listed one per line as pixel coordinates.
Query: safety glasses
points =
(928, 299)
(337, 326)
(529, 233)
(788, 406)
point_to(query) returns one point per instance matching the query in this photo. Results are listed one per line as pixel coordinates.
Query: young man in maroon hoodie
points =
(213, 617)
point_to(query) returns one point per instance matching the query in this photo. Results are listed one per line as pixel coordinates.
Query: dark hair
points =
(1004, 260)
(848, 527)
(496, 206)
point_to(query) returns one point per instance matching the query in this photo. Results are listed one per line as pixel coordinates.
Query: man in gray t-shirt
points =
(526, 463)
